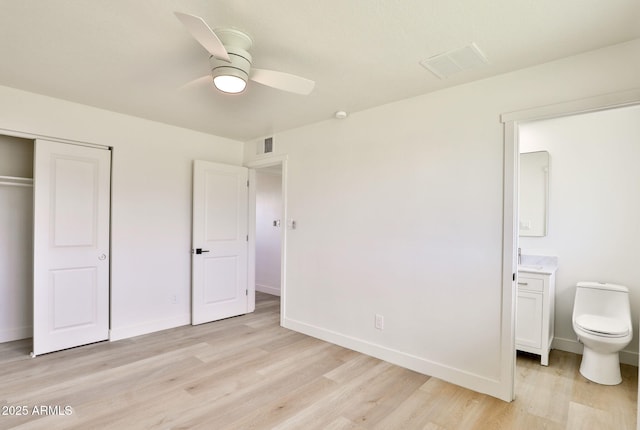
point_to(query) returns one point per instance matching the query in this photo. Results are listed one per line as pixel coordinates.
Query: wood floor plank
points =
(383, 395)
(233, 406)
(90, 378)
(335, 403)
(342, 423)
(413, 413)
(357, 365)
(249, 373)
(269, 414)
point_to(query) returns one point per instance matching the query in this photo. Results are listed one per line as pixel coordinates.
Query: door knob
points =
(201, 251)
(102, 257)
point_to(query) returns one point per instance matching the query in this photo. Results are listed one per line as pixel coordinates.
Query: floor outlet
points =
(379, 322)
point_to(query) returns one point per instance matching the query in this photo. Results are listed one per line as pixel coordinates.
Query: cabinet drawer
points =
(530, 284)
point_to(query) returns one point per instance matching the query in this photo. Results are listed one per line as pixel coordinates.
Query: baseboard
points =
(459, 377)
(572, 345)
(274, 291)
(149, 327)
(568, 345)
(15, 333)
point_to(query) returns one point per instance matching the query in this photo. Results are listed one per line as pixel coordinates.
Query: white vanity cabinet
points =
(535, 311)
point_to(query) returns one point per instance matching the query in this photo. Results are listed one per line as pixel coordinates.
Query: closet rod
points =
(15, 181)
(13, 184)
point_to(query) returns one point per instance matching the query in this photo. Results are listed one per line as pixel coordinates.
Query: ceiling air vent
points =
(451, 62)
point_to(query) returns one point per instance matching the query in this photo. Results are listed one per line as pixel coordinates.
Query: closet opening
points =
(16, 233)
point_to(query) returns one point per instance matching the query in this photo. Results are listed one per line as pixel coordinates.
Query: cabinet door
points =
(529, 320)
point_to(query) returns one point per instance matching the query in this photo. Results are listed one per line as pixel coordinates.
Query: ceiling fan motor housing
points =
(239, 66)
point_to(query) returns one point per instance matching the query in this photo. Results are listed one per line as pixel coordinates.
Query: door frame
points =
(511, 122)
(270, 161)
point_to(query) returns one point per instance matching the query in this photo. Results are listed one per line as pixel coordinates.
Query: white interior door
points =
(71, 245)
(220, 242)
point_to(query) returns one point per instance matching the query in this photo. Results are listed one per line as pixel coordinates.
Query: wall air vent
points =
(265, 146)
(451, 62)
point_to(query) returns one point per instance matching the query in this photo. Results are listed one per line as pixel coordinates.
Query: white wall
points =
(399, 213)
(268, 209)
(16, 157)
(151, 200)
(594, 207)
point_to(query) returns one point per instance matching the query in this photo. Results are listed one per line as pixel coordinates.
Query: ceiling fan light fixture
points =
(230, 83)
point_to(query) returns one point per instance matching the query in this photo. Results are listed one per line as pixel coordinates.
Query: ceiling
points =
(135, 57)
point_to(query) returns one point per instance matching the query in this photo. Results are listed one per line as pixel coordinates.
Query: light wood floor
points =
(249, 373)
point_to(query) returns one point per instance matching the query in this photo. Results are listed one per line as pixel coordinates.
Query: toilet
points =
(602, 321)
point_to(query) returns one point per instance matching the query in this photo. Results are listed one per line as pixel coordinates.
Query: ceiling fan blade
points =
(197, 83)
(204, 35)
(282, 81)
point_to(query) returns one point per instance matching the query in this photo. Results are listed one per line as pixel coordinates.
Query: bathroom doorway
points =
(527, 131)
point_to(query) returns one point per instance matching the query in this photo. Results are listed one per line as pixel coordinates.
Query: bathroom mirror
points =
(534, 193)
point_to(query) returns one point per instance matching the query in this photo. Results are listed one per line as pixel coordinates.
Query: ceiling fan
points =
(231, 61)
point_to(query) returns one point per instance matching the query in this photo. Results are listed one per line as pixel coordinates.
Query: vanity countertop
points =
(538, 264)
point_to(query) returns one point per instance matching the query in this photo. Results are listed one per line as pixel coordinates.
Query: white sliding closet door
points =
(71, 245)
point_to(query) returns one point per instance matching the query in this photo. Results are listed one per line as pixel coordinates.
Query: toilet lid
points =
(603, 325)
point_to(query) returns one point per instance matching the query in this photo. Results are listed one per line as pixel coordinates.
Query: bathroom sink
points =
(537, 263)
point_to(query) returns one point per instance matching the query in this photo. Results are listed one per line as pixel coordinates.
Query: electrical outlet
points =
(379, 322)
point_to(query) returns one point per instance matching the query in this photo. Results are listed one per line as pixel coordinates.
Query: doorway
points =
(268, 222)
(268, 227)
(512, 123)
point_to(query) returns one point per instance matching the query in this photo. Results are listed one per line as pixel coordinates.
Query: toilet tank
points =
(608, 300)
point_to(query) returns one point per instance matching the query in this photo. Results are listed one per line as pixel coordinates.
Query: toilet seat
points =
(602, 326)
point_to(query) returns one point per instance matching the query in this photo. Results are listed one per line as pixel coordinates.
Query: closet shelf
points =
(16, 181)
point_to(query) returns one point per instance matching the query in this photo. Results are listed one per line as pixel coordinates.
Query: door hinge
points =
(247, 183)
(246, 292)
(514, 276)
(247, 238)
